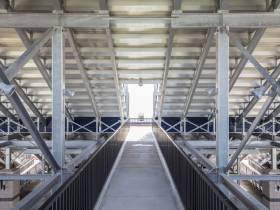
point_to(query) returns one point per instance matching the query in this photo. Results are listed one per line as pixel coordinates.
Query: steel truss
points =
(57, 22)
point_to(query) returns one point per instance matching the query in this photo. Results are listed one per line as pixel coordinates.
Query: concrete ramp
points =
(139, 181)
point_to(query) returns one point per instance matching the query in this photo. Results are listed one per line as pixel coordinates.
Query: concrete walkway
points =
(139, 181)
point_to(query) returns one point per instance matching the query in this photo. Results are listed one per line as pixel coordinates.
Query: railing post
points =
(184, 121)
(8, 125)
(8, 158)
(96, 128)
(273, 150)
(38, 124)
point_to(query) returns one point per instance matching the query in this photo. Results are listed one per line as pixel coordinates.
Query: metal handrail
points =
(192, 183)
(81, 190)
(247, 199)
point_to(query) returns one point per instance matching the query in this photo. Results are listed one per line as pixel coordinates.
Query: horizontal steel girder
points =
(190, 20)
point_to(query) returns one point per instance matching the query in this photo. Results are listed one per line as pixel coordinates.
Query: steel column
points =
(36, 59)
(58, 103)
(8, 158)
(222, 65)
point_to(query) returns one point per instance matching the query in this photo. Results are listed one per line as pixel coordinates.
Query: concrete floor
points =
(139, 181)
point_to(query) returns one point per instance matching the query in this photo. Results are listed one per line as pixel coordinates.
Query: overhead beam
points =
(198, 70)
(187, 20)
(232, 20)
(82, 71)
(36, 59)
(48, 20)
(115, 71)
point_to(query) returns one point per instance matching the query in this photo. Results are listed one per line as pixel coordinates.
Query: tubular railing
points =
(196, 190)
(140, 121)
(81, 190)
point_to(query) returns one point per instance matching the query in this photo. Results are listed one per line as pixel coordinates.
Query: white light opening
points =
(140, 100)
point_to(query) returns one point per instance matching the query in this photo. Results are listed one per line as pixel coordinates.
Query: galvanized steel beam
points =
(27, 43)
(255, 99)
(25, 98)
(7, 112)
(188, 20)
(27, 121)
(222, 125)
(166, 68)
(58, 101)
(258, 66)
(243, 61)
(83, 73)
(13, 69)
(37, 194)
(115, 71)
(249, 133)
(198, 70)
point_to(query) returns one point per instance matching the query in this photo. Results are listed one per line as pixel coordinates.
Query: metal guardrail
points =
(196, 190)
(81, 190)
(140, 121)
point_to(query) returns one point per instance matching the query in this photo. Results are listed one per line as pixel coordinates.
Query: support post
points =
(184, 126)
(8, 158)
(58, 105)
(8, 126)
(222, 65)
(97, 127)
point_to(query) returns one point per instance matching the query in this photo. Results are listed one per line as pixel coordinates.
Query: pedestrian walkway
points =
(139, 181)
